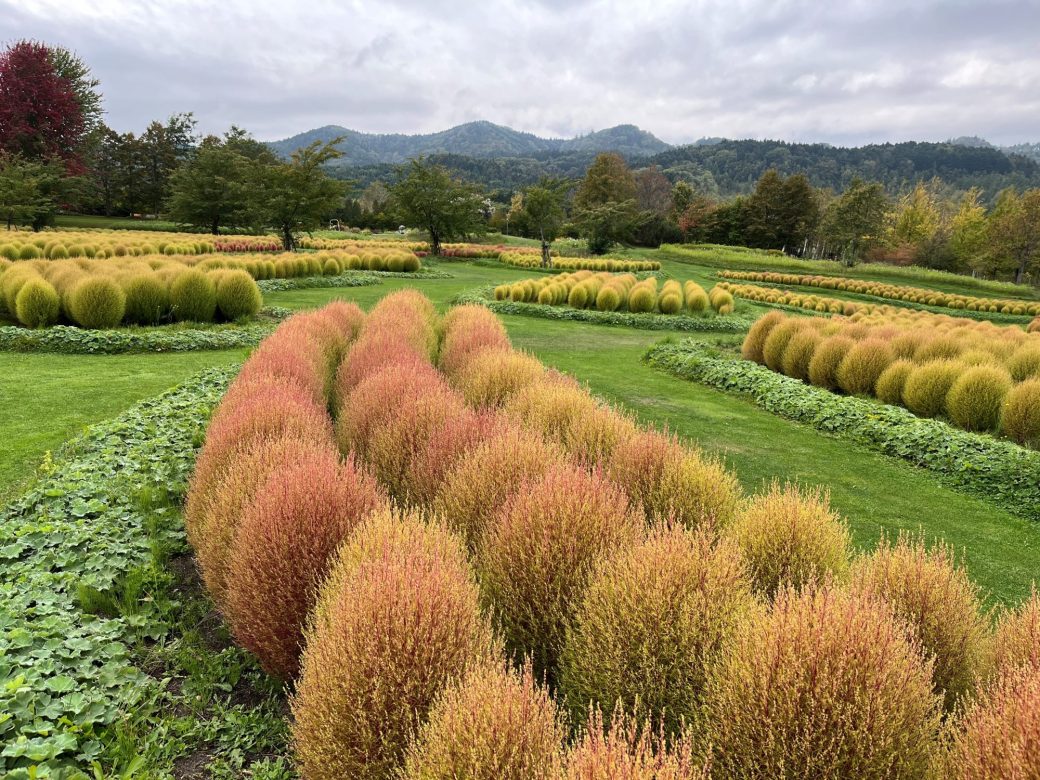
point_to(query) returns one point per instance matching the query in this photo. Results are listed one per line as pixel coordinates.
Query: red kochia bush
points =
(282, 551)
(297, 359)
(537, 555)
(374, 352)
(409, 314)
(467, 331)
(826, 684)
(491, 725)
(446, 444)
(396, 621)
(217, 514)
(999, 735)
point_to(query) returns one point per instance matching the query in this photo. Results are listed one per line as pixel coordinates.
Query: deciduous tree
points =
(297, 195)
(426, 196)
(544, 211)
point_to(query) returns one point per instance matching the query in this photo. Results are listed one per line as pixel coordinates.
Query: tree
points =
(297, 195)
(29, 190)
(1014, 232)
(682, 196)
(699, 218)
(968, 231)
(212, 188)
(163, 148)
(855, 221)
(84, 86)
(40, 114)
(428, 197)
(917, 217)
(605, 203)
(375, 197)
(544, 212)
(781, 213)
(653, 191)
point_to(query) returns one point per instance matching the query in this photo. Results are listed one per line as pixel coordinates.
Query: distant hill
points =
(474, 139)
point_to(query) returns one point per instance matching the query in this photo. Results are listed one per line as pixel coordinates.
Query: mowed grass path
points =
(47, 398)
(50, 398)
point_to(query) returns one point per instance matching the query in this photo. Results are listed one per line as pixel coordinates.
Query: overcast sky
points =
(841, 72)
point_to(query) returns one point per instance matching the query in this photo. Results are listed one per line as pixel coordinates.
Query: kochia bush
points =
(193, 296)
(147, 299)
(396, 621)
(823, 368)
(282, 550)
(757, 335)
(862, 365)
(651, 623)
(491, 725)
(97, 302)
(536, 556)
(927, 386)
(975, 399)
(237, 295)
(889, 386)
(825, 684)
(1016, 641)
(1020, 416)
(37, 304)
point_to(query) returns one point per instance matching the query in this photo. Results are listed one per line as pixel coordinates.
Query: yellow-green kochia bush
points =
(825, 684)
(651, 624)
(976, 397)
(97, 302)
(37, 304)
(927, 386)
(237, 295)
(193, 296)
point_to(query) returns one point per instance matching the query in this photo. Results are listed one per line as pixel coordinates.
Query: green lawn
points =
(49, 398)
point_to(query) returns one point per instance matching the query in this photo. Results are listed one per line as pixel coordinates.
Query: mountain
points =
(473, 139)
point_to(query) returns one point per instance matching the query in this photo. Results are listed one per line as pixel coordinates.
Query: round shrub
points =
(147, 299)
(721, 300)
(998, 736)
(825, 684)
(776, 342)
(493, 375)
(858, 372)
(238, 296)
(651, 623)
(670, 303)
(578, 297)
(926, 388)
(483, 478)
(491, 725)
(97, 302)
(1020, 416)
(799, 352)
(545, 296)
(282, 550)
(757, 335)
(790, 537)
(536, 556)
(608, 299)
(592, 436)
(643, 299)
(939, 603)
(193, 296)
(395, 622)
(37, 304)
(630, 749)
(1025, 363)
(823, 368)
(975, 399)
(411, 264)
(1016, 641)
(889, 386)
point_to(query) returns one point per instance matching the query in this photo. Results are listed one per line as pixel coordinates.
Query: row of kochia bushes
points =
(980, 376)
(614, 264)
(108, 293)
(616, 292)
(360, 246)
(63, 244)
(817, 303)
(464, 565)
(897, 292)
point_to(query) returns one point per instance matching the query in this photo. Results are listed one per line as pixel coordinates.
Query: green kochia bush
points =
(147, 300)
(193, 296)
(927, 386)
(975, 399)
(237, 295)
(37, 304)
(97, 302)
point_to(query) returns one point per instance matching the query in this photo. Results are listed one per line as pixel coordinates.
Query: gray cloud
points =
(801, 70)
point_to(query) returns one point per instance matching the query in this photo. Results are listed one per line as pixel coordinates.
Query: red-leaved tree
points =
(40, 116)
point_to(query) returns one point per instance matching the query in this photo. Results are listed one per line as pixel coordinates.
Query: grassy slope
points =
(876, 494)
(49, 398)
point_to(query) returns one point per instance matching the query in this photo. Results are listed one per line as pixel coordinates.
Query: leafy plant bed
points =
(173, 338)
(719, 324)
(82, 553)
(998, 471)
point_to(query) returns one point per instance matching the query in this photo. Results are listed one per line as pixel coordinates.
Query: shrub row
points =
(355, 246)
(608, 292)
(681, 322)
(530, 259)
(895, 292)
(90, 523)
(613, 559)
(980, 376)
(997, 471)
(104, 294)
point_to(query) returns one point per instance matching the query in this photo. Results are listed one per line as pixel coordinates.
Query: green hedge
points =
(80, 341)
(82, 535)
(713, 324)
(998, 471)
(349, 279)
